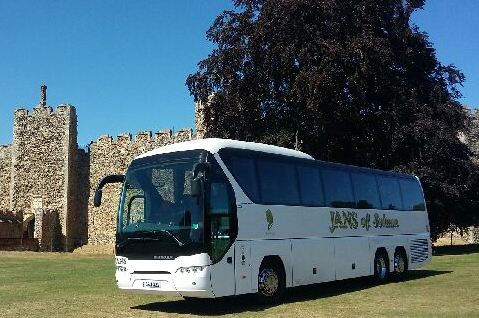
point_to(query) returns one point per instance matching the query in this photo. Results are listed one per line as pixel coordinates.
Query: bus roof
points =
(213, 145)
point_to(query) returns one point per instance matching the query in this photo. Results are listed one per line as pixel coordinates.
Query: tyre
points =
(271, 283)
(381, 266)
(400, 264)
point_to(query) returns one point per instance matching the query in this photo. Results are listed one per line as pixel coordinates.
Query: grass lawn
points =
(69, 285)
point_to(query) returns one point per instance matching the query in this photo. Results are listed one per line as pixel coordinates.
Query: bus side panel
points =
(262, 249)
(351, 257)
(313, 261)
(243, 274)
(419, 251)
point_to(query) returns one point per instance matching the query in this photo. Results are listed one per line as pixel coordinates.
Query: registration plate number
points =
(151, 284)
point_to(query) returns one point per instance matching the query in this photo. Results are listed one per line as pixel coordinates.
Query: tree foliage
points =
(349, 81)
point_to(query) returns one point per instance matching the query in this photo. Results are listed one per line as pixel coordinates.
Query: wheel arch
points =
(384, 250)
(278, 260)
(278, 251)
(273, 258)
(402, 249)
(264, 294)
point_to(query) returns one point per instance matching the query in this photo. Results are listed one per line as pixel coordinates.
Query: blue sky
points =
(123, 64)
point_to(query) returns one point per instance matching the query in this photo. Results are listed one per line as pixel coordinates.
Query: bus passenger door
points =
(222, 235)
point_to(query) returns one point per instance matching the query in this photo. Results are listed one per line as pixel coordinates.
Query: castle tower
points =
(200, 128)
(5, 176)
(43, 99)
(43, 155)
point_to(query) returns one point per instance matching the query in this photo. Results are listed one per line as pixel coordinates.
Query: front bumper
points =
(196, 284)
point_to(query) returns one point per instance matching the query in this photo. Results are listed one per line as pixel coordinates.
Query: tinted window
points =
(310, 186)
(412, 195)
(278, 182)
(337, 188)
(219, 199)
(365, 191)
(243, 170)
(221, 213)
(390, 193)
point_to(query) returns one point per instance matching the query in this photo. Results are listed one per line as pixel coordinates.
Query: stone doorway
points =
(29, 227)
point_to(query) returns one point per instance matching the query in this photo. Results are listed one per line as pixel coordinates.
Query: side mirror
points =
(199, 167)
(196, 187)
(97, 198)
(115, 178)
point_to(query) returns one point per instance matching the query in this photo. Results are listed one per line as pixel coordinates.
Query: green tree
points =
(349, 81)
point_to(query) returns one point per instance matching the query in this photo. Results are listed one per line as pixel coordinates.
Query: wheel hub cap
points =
(399, 264)
(381, 268)
(268, 282)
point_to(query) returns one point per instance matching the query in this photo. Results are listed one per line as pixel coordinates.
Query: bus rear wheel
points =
(271, 283)
(400, 264)
(381, 266)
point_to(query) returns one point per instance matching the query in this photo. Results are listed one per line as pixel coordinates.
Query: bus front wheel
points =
(381, 267)
(271, 282)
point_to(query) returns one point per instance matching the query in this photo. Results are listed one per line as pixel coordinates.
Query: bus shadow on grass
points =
(246, 303)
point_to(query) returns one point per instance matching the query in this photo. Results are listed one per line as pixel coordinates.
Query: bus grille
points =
(419, 250)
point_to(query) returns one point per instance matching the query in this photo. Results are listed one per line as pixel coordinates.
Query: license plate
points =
(151, 284)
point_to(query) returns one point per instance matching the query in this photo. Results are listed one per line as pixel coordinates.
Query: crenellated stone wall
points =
(43, 157)
(49, 183)
(200, 126)
(79, 194)
(5, 176)
(471, 137)
(112, 156)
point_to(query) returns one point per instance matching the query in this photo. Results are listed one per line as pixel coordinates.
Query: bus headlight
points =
(191, 269)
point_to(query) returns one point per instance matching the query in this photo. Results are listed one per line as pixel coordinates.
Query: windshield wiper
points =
(173, 236)
(136, 238)
(151, 236)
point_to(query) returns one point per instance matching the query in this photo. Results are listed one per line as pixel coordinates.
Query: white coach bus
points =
(211, 218)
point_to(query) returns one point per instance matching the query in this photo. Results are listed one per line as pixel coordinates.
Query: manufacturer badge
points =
(269, 219)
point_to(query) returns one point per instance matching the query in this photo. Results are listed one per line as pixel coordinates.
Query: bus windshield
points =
(158, 217)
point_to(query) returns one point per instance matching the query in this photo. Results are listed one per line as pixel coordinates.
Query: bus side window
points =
(220, 218)
(278, 182)
(219, 199)
(310, 186)
(337, 188)
(365, 191)
(390, 193)
(244, 172)
(413, 198)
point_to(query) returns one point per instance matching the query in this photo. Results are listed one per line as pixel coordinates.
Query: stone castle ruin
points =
(47, 182)
(471, 136)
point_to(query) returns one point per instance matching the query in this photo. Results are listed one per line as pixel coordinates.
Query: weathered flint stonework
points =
(112, 156)
(43, 173)
(5, 176)
(471, 137)
(48, 182)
